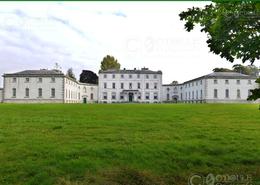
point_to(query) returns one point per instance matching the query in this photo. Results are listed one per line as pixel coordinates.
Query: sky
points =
(36, 35)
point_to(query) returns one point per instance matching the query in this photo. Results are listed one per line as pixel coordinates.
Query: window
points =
(130, 85)
(52, 92)
(215, 93)
(238, 93)
(181, 96)
(113, 85)
(105, 85)
(105, 95)
(155, 96)
(105, 76)
(147, 76)
(155, 85)
(226, 82)
(121, 96)
(200, 94)
(91, 96)
(249, 82)
(147, 96)
(130, 76)
(52, 79)
(227, 93)
(154, 76)
(113, 95)
(192, 84)
(196, 83)
(27, 93)
(14, 80)
(197, 96)
(139, 96)
(192, 94)
(168, 97)
(40, 92)
(139, 85)
(122, 76)
(85, 89)
(122, 85)
(200, 82)
(40, 80)
(14, 92)
(215, 81)
(189, 95)
(27, 80)
(147, 85)
(238, 82)
(113, 76)
(138, 75)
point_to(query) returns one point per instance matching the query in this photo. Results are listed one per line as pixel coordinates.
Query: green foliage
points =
(175, 82)
(126, 144)
(109, 62)
(255, 93)
(247, 70)
(71, 74)
(222, 70)
(232, 28)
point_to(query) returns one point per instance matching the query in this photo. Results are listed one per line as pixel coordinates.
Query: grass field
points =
(129, 144)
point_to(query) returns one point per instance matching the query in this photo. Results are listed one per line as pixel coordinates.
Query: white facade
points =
(221, 87)
(119, 86)
(1, 95)
(46, 86)
(144, 86)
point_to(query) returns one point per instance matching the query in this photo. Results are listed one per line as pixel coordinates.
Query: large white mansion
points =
(118, 86)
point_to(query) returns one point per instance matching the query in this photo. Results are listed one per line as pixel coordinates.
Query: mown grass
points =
(129, 144)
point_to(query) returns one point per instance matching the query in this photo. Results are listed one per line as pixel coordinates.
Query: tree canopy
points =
(109, 62)
(88, 77)
(247, 70)
(232, 28)
(71, 74)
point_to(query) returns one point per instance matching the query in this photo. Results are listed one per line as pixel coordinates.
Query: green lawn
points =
(128, 144)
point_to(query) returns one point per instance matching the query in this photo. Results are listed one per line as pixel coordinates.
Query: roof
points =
(223, 75)
(41, 72)
(129, 71)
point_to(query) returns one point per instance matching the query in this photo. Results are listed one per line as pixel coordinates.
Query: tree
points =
(175, 82)
(222, 70)
(71, 74)
(88, 77)
(255, 93)
(232, 28)
(247, 70)
(109, 62)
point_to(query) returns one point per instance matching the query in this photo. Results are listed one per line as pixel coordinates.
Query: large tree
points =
(222, 70)
(88, 77)
(247, 70)
(232, 28)
(255, 93)
(109, 62)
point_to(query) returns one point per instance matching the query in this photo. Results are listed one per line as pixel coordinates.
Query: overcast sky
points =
(35, 35)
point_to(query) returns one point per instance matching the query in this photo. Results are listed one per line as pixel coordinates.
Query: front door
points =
(131, 97)
(84, 100)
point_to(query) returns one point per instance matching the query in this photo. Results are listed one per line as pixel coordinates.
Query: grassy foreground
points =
(129, 144)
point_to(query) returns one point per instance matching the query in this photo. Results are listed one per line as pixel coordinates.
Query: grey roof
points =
(223, 75)
(41, 72)
(128, 71)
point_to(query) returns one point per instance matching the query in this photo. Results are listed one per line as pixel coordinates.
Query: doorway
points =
(84, 100)
(131, 97)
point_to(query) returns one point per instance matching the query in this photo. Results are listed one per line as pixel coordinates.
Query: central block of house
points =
(144, 86)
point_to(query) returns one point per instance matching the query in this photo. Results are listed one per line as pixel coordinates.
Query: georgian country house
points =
(124, 86)
(46, 86)
(144, 86)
